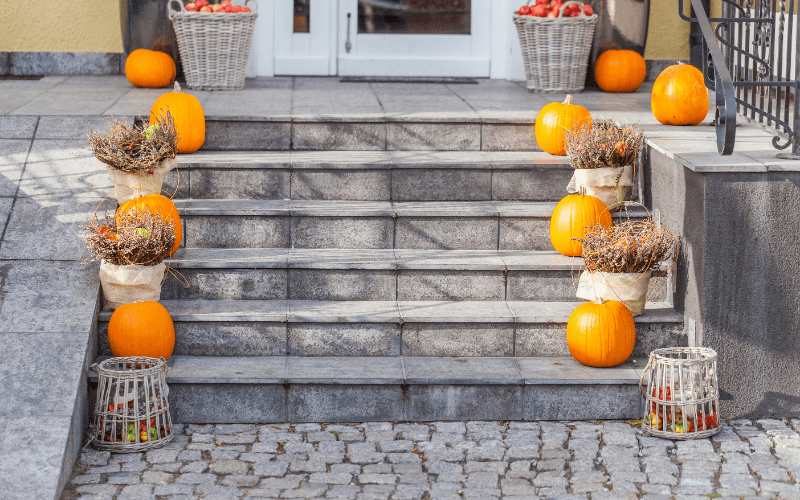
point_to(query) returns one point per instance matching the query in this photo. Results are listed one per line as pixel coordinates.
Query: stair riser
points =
(440, 339)
(429, 184)
(229, 135)
(442, 233)
(360, 284)
(258, 403)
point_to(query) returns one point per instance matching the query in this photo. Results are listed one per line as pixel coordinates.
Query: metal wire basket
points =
(555, 51)
(682, 398)
(132, 411)
(214, 47)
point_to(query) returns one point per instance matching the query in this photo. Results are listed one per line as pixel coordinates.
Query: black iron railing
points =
(750, 60)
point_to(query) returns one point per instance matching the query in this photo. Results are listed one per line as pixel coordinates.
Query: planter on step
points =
(128, 185)
(130, 283)
(628, 288)
(610, 184)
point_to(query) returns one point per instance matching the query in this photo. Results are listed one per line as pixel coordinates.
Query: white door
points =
(436, 38)
(304, 35)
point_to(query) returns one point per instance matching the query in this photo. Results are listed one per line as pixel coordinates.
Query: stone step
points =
(389, 328)
(362, 389)
(371, 176)
(454, 225)
(359, 274)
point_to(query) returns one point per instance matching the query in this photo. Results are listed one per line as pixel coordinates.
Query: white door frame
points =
(310, 53)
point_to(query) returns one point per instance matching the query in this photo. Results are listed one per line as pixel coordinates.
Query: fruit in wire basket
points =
(554, 120)
(187, 112)
(149, 68)
(571, 217)
(601, 334)
(619, 71)
(679, 96)
(141, 329)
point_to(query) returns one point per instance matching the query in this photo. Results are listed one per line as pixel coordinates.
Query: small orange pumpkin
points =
(141, 329)
(620, 71)
(601, 334)
(680, 96)
(571, 217)
(150, 68)
(157, 204)
(186, 110)
(553, 122)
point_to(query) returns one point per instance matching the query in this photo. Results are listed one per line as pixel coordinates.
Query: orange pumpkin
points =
(554, 120)
(620, 71)
(190, 122)
(149, 68)
(141, 329)
(571, 217)
(680, 96)
(601, 334)
(158, 204)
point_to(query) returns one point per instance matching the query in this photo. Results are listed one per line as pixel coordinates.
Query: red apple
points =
(190, 7)
(206, 9)
(539, 11)
(200, 4)
(226, 2)
(217, 8)
(588, 10)
(246, 9)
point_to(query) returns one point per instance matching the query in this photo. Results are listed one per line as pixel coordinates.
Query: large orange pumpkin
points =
(553, 122)
(190, 122)
(141, 329)
(149, 68)
(571, 217)
(601, 334)
(620, 71)
(679, 96)
(158, 204)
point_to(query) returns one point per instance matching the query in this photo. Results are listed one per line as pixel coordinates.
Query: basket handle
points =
(93, 367)
(644, 372)
(255, 4)
(561, 14)
(171, 13)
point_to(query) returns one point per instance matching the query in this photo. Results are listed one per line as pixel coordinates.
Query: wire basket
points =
(132, 411)
(682, 398)
(555, 51)
(214, 47)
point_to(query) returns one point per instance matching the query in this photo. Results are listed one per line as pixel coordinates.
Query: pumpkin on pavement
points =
(553, 122)
(680, 96)
(187, 112)
(157, 204)
(601, 334)
(571, 217)
(141, 329)
(149, 68)
(620, 71)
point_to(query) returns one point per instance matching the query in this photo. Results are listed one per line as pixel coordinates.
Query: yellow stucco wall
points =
(49, 26)
(667, 33)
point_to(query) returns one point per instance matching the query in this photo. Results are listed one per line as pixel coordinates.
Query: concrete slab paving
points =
(221, 370)
(13, 153)
(456, 312)
(467, 371)
(374, 311)
(64, 168)
(566, 370)
(18, 127)
(345, 370)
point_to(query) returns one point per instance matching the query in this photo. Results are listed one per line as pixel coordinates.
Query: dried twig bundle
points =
(131, 148)
(603, 144)
(134, 237)
(629, 247)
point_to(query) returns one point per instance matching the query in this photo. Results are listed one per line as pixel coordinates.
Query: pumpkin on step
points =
(680, 96)
(141, 329)
(571, 217)
(190, 122)
(158, 204)
(619, 71)
(149, 68)
(601, 334)
(553, 122)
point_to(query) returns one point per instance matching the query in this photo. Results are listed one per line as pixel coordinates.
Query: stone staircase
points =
(383, 285)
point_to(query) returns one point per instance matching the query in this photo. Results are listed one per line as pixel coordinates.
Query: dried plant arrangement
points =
(603, 143)
(132, 237)
(133, 148)
(628, 247)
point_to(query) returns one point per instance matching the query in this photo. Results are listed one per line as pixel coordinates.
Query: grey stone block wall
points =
(5, 66)
(61, 63)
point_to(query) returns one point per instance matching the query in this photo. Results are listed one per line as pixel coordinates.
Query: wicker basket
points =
(132, 411)
(682, 398)
(555, 51)
(213, 47)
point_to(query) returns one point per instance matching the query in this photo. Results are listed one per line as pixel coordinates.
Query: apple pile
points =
(224, 7)
(547, 8)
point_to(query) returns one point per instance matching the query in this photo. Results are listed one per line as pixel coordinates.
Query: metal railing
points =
(750, 60)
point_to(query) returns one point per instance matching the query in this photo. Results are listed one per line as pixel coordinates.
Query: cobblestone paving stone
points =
(448, 460)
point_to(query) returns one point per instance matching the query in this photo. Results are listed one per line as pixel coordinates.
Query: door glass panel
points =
(301, 16)
(414, 17)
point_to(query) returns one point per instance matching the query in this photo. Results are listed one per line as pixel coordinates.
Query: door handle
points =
(347, 44)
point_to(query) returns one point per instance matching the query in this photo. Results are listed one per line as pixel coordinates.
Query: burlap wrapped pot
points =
(609, 184)
(628, 288)
(130, 283)
(129, 185)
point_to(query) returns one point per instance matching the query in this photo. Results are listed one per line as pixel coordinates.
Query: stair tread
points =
(337, 208)
(373, 160)
(396, 370)
(376, 311)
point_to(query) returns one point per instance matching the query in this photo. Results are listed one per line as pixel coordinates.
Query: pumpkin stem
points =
(599, 300)
(568, 100)
(582, 190)
(177, 87)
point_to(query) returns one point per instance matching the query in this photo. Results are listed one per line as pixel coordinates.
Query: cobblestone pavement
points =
(449, 460)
